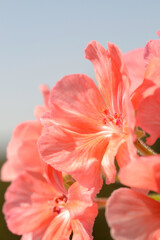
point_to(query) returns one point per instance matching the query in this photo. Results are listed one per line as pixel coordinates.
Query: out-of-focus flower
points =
(22, 152)
(151, 59)
(39, 207)
(85, 127)
(148, 116)
(131, 214)
(135, 64)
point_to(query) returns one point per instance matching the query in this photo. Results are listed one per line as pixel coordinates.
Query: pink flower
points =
(135, 63)
(148, 116)
(22, 152)
(131, 214)
(39, 207)
(148, 93)
(85, 127)
(151, 73)
(143, 173)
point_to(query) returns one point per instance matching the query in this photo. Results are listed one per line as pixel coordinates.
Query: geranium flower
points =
(148, 94)
(22, 152)
(85, 127)
(151, 59)
(39, 207)
(131, 214)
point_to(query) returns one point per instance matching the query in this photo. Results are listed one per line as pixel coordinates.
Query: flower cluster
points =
(57, 163)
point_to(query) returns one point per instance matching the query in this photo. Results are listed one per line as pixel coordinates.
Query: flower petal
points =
(108, 161)
(132, 215)
(134, 61)
(22, 152)
(76, 154)
(83, 226)
(150, 83)
(59, 228)
(39, 110)
(28, 203)
(79, 198)
(142, 173)
(77, 98)
(152, 50)
(150, 106)
(110, 72)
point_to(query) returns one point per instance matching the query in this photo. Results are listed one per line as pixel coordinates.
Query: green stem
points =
(155, 196)
(101, 202)
(144, 149)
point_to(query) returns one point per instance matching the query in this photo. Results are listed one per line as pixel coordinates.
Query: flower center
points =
(109, 118)
(59, 203)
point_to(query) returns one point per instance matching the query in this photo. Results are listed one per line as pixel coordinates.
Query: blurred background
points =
(41, 41)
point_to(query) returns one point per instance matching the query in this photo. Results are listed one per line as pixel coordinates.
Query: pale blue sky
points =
(41, 41)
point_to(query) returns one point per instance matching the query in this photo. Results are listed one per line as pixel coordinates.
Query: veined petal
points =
(108, 161)
(28, 203)
(78, 99)
(132, 215)
(59, 228)
(110, 72)
(83, 226)
(79, 198)
(76, 154)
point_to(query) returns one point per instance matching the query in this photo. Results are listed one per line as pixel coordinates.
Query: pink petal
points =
(134, 61)
(79, 198)
(76, 154)
(110, 72)
(22, 152)
(39, 110)
(150, 83)
(150, 106)
(55, 178)
(83, 226)
(28, 203)
(59, 228)
(132, 215)
(36, 235)
(108, 161)
(77, 104)
(142, 173)
(152, 50)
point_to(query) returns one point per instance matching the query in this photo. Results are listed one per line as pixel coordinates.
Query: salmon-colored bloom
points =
(148, 94)
(85, 127)
(151, 73)
(22, 152)
(135, 64)
(39, 207)
(148, 116)
(132, 215)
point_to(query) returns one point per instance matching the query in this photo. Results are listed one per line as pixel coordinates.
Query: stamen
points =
(59, 203)
(115, 119)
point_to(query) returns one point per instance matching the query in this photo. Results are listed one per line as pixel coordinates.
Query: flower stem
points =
(144, 149)
(155, 196)
(101, 202)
